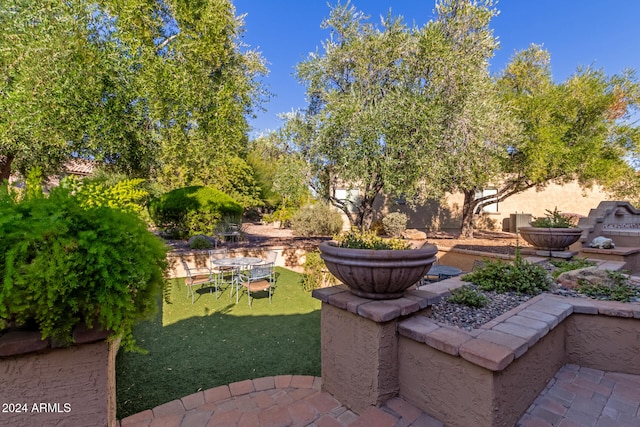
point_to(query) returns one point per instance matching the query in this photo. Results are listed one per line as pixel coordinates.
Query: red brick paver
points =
(580, 396)
(576, 396)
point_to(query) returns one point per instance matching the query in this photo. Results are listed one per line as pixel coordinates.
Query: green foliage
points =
(192, 210)
(394, 224)
(315, 274)
(616, 288)
(200, 242)
(282, 214)
(34, 188)
(554, 219)
(398, 109)
(157, 89)
(518, 276)
(356, 239)
(63, 263)
(317, 219)
(563, 265)
(290, 180)
(467, 295)
(566, 131)
(128, 195)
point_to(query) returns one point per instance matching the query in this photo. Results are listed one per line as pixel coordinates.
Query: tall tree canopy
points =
(415, 112)
(577, 130)
(407, 111)
(154, 88)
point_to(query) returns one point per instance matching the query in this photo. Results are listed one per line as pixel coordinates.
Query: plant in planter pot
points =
(376, 268)
(64, 264)
(553, 232)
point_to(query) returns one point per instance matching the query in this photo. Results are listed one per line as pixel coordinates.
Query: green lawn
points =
(215, 342)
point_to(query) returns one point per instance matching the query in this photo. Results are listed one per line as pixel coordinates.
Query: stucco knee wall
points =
(608, 343)
(464, 394)
(72, 386)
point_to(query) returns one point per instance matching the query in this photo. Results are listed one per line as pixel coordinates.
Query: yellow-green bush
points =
(63, 263)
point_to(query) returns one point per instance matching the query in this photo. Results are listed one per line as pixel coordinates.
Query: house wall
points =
(432, 216)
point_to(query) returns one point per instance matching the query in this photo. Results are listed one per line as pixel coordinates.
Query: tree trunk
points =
(5, 166)
(469, 205)
(365, 214)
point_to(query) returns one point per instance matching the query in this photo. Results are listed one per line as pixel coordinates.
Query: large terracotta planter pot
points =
(550, 239)
(378, 274)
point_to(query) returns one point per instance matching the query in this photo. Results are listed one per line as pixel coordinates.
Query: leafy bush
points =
(518, 276)
(317, 219)
(617, 288)
(63, 263)
(355, 239)
(467, 295)
(192, 210)
(282, 215)
(200, 242)
(394, 224)
(128, 194)
(314, 275)
(554, 220)
(563, 265)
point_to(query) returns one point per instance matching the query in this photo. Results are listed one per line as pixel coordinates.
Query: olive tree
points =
(404, 111)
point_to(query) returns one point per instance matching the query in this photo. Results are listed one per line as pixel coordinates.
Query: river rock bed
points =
(468, 318)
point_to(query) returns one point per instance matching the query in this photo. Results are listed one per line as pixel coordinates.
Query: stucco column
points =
(360, 344)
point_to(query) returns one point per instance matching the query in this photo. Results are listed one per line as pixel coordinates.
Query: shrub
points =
(394, 224)
(282, 215)
(317, 219)
(128, 195)
(315, 275)
(519, 276)
(554, 220)
(467, 295)
(192, 210)
(616, 288)
(355, 239)
(200, 242)
(563, 265)
(64, 263)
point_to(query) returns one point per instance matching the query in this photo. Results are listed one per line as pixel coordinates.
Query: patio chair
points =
(270, 257)
(197, 276)
(257, 278)
(222, 274)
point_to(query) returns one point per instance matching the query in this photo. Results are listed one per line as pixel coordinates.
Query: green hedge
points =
(63, 263)
(192, 210)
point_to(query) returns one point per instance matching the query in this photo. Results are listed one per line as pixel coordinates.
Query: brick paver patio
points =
(576, 396)
(579, 396)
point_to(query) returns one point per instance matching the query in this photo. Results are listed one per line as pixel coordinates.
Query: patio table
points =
(236, 264)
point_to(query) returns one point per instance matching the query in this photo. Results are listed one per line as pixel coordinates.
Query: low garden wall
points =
(372, 350)
(464, 259)
(292, 258)
(43, 385)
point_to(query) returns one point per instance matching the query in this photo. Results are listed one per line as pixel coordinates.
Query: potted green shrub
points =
(66, 262)
(553, 232)
(376, 268)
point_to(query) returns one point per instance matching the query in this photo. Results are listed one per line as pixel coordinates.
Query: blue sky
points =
(600, 33)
